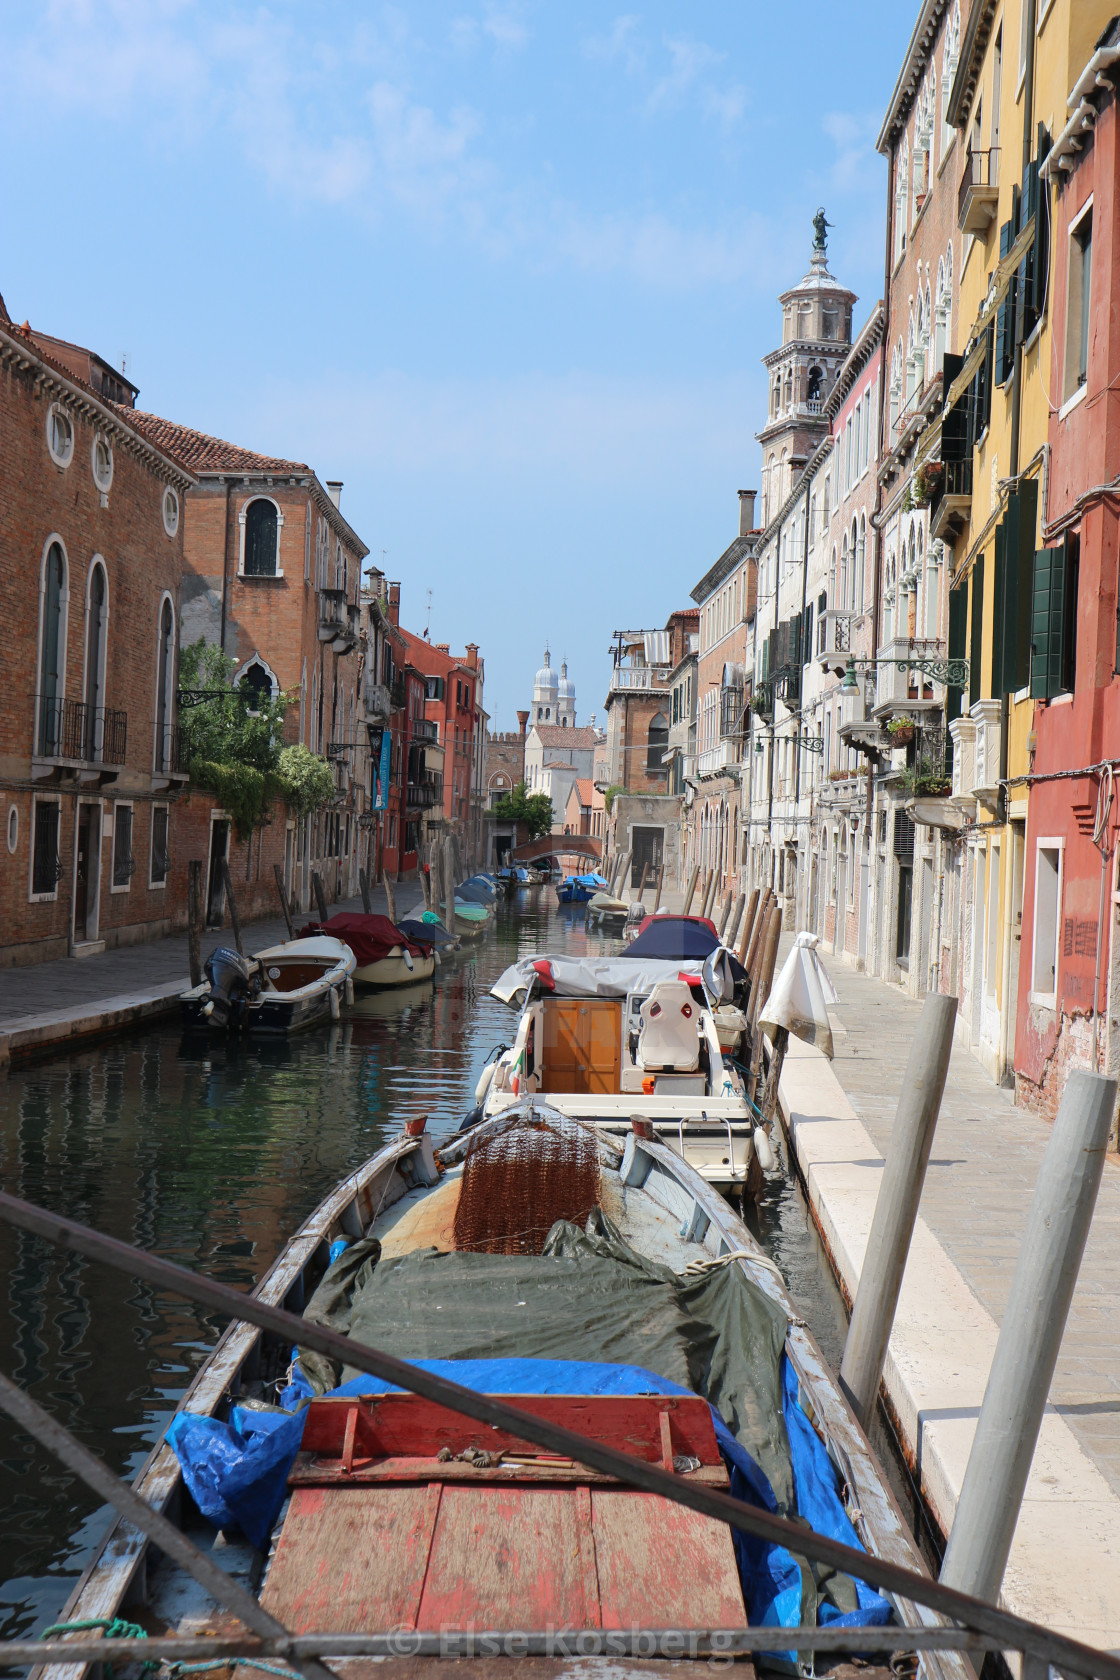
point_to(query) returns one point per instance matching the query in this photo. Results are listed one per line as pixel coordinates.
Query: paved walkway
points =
(982, 1174)
(983, 1169)
(135, 981)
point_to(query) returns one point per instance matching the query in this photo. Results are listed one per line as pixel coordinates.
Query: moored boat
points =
(384, 953)
(610, 1290)
(579, 889)
(282, 989)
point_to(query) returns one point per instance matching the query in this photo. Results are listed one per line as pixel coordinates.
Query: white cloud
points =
(504, 26)
(855, 164)
(622, 45)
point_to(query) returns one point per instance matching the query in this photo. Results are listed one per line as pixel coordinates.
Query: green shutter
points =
(1020, 584)
(1005, 314)
(976, 633)
(1047, 622)
(1001, 645)
(958, 618)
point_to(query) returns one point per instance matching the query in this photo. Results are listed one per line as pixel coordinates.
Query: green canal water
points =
(211, 1154)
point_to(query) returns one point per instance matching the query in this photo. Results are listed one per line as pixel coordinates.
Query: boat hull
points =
(392, 970)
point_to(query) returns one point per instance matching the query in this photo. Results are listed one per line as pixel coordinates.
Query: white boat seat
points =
(669, 1039)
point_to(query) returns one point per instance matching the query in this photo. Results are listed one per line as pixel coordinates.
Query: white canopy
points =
(602, 977)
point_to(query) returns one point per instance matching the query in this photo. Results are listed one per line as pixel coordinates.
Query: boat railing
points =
(973, 1625)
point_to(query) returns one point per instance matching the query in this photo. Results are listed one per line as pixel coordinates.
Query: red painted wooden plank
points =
(660, 1565)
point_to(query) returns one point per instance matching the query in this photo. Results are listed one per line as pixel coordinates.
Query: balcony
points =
(834, 638)
(962, 731)
(987, 717)
(376, 697)
(171, 755)
(338, 620)
(899, 688)
(425, 793)
(722, 760)
(637, 678)
(425, 730)
(732, 712)
(952, 503)
(979, 191)
(69, 735)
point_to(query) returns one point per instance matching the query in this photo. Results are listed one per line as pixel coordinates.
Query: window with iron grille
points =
(45, 865)
(161, 856)
(124, 865)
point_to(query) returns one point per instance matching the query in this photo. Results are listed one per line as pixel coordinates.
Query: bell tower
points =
(816, 337)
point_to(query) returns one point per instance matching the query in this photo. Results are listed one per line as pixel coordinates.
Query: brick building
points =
(453, 708)
(91, 570)
(504, 762)
(272, 576)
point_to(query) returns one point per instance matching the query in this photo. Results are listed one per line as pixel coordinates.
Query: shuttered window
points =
(958, 623)
(1054, 620)
(976, 632)
(1014, 578)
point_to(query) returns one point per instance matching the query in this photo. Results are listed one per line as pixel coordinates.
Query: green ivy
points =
(523, 806)
(307, 779)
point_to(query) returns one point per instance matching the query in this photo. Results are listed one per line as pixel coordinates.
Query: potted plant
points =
(901, 730)
(924, 482)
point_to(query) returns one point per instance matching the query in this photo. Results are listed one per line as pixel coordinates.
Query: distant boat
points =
(578, 889)
(385, 954)
(280, 990)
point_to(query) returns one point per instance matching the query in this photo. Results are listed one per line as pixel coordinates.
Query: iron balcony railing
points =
(956, 478)
(70, 729)
(981, 176)
(425, 730)
(732, 710)
(172, 751)
(425, 793)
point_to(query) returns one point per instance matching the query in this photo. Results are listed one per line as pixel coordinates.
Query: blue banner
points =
(384, 771)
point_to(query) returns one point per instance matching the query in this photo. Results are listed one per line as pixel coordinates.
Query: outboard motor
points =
(234, 979)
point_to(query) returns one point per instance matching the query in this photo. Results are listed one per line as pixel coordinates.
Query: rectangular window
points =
(991, 951)
(1078, 302)
(160, 866)
(1054, 619)
(45, 865)
(976, 632)
(124, 866)
(1047, 921)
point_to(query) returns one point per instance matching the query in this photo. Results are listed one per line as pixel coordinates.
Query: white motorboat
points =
(279, 990)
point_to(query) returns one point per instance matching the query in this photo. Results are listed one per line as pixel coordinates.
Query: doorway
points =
(648, 844)
(216, 886)
(87, 872)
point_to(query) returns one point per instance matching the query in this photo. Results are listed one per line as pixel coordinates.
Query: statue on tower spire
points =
(820, 231)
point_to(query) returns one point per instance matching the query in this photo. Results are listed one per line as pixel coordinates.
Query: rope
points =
(176, 1669)
(115, 1627)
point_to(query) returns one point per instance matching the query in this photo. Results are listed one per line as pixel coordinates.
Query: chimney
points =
(746, 511)
(523, 720)
(334, 490)
(472, 656)
(394, 604)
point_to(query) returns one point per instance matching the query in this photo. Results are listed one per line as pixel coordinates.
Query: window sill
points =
(42, 898)
(1043, 1000)
(157, 886)
(261, 577)
(1071, 402)
(127, 889)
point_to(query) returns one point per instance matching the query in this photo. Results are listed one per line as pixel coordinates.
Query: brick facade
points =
(90, 593)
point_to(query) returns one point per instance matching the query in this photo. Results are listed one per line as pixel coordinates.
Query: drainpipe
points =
(801, 697)
(1007, 850)
(225, 567)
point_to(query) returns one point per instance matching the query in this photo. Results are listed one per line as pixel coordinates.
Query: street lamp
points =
(952, 672)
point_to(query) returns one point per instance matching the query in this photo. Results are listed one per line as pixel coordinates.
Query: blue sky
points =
(506, 268)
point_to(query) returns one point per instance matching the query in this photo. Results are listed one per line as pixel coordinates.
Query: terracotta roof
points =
(202, 453)
(585, 787)
(555, 735)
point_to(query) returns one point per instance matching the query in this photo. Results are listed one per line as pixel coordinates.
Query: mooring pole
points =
(688, 897)
(721, 925)
(194, 920)
(1029, 1338)
(660, 884)
(320, 895)
(732, 926)
(233, 916)
(284, 900)
(447, 875)
(390, 898)
(746, 926)
(896, 1206)
(363, 888)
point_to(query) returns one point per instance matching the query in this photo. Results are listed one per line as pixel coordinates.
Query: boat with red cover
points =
(384, 953)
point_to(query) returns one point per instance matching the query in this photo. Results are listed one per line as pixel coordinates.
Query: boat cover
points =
(369, 937)
(674, 936)
(429, 933)
(589, 1315)
(475, 892)
(602, 977)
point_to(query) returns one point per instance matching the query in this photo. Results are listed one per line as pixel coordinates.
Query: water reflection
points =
(210, 1152)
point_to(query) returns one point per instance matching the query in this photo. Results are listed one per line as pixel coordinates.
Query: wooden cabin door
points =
(582, 1045)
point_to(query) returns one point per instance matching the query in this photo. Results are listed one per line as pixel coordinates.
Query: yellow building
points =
(1017, 64)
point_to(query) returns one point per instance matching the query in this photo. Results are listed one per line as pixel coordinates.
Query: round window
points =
(13, 827)
(60, 435)
(101, 457)
(170, 511)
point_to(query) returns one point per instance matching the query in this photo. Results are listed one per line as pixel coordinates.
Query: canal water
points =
(211, 1155)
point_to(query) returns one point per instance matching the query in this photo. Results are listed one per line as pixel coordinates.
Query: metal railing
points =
(426, 792)
(980, 1626)
(70, 729)
(171, 750)
(638, 677)
(425, 730)
(981, 169)
(956, 478)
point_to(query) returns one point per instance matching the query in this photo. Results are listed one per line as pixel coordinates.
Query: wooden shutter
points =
(999, 611)
(1005, 314)
(958, 619)
(1047, 622)
(976, 633)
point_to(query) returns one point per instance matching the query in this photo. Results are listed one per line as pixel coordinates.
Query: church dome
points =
(566, 689)
(545, 679)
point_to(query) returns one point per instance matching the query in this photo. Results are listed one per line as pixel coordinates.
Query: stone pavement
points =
(46, 1001)
(981, 1177)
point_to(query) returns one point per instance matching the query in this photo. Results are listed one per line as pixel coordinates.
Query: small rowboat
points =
(280, 990)
(384, 953)
(532, 1258)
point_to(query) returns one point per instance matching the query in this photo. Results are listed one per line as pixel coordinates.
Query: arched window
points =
(260, 538)
(900, 192)
(842, 595)
(861, 565)
(816, 380)
(256, 684)
(52, 651)
(658, 744)
(165, 677)
(97, 624)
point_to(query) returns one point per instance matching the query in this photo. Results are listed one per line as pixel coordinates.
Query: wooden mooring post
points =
(320, 896)
(276, 870)
(688, 897)
(363, 888)
(231, 901)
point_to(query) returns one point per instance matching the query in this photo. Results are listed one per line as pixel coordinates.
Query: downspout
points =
(801, 695)
(225, 567)
(1007, 861)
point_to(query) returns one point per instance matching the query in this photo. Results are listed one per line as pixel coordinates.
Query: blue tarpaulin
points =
(237, 1472)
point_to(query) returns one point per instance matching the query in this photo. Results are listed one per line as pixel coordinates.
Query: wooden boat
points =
(605, 1039)
(604, 907)
(279, 990)
(445, 1497)
(580, 889)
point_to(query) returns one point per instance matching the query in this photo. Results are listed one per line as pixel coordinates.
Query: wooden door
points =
(216, 890)
(85, 884)
(582, 1044)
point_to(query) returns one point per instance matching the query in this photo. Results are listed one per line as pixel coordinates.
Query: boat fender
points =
(763, 1150)
(207, 1009)
(339, 1247)
(472, 1117)
(408, 962)
(349, 990)
(336, 1006)
(485, 1079)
